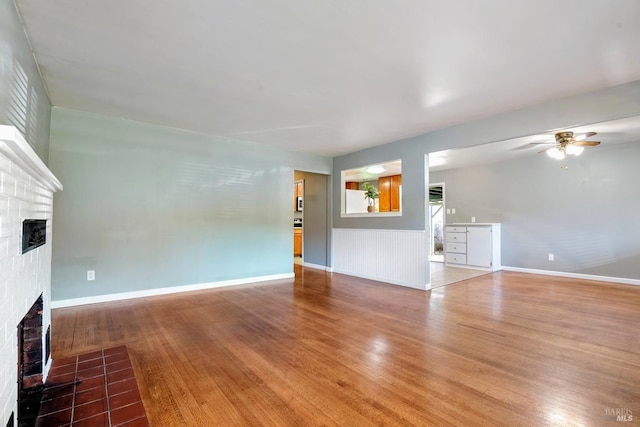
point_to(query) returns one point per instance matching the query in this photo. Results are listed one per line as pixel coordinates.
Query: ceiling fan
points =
(566, 143)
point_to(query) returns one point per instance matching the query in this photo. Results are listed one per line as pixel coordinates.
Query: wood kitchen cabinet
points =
(389, 193)
(297, 242)
(352, 185)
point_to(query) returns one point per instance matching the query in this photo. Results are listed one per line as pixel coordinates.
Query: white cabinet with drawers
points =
(473, 245)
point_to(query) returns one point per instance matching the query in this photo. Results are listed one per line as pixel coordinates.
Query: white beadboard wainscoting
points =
(393, 256)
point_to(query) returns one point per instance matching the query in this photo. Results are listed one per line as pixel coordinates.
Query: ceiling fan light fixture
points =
(566, 144)
(555, 153)
(574, 150)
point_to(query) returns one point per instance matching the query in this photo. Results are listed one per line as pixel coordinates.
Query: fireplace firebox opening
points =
(30, 364)
(34, 234)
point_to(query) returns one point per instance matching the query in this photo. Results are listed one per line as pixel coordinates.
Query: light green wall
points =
(23, 100)
(149, 207)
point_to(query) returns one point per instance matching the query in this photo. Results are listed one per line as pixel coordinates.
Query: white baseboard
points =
(622, 280)
(471, 267)
(164, 291)
(315, 266)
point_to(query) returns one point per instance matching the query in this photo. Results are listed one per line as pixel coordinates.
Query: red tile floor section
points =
(94, 389)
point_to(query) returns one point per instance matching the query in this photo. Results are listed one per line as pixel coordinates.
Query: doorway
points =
(298, 204)
(436, 221)
(440, 273)
(313, 220)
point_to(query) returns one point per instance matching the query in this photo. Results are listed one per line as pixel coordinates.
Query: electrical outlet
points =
(473, 219)
(91, 275)
(550, 257)
(453, 211)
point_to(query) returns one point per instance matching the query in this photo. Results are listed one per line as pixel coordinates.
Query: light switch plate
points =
(91, 275)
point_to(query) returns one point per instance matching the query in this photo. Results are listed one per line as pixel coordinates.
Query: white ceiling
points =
(331, 76)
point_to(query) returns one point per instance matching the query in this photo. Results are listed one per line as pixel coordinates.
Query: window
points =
(372, 190)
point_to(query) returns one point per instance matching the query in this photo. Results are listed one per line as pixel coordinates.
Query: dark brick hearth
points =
(95, 389)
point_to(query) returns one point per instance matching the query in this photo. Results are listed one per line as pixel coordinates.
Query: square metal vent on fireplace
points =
(34, 234)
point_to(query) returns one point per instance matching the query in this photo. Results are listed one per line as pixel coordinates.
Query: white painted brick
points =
(14, 208)
(7, 306)
(15, 169)
(23, 191)
(26, 209)
(4, 205)
(22, 277)
(9, 226)
(6, 222)
(4, 291)
(6, 269)
(29, 194)
(15, 246)
(4, 386)
(4, 247)
(5, 164)
(18, 172)
(20, 189)
(7, 184)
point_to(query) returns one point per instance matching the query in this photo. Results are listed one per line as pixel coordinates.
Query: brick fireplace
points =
(26, 193)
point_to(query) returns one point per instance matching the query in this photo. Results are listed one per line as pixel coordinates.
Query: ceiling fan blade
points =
(542, 143)
(544, 151)
(586, 143)
(584, 136)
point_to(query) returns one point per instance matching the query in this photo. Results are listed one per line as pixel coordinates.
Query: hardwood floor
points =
(502, 349)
